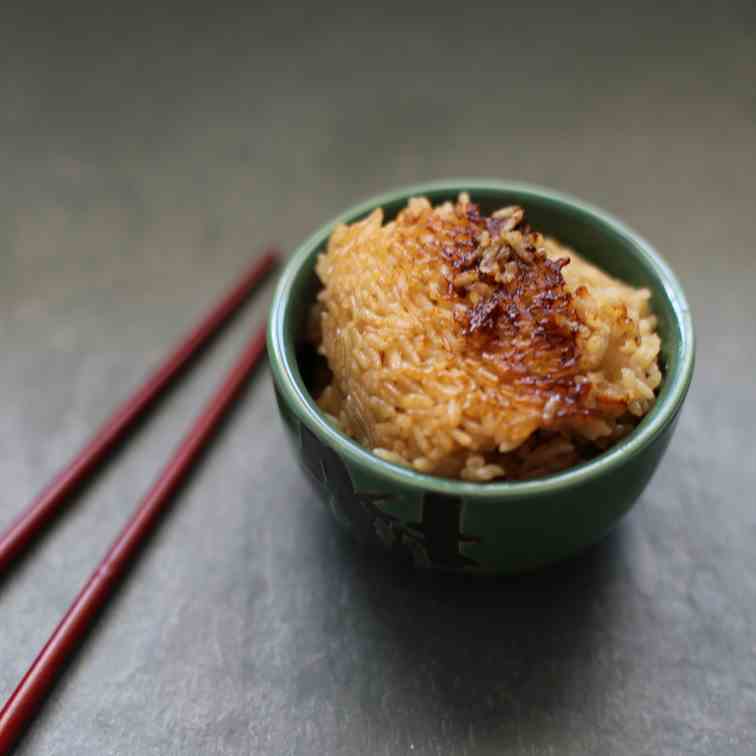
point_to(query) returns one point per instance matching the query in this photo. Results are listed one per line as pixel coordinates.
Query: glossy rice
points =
(470, 346)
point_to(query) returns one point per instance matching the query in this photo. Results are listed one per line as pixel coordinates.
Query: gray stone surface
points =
(144, 156)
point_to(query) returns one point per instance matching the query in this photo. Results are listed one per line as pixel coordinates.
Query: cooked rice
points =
(466, 346)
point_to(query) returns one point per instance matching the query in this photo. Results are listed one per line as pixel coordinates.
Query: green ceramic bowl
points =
(484, 527)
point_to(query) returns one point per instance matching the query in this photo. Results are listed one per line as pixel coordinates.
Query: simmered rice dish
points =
(471, 346)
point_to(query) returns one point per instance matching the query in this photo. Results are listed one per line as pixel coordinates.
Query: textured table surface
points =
(144, 158)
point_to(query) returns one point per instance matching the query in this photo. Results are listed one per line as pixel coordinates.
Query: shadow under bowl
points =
(499, 527)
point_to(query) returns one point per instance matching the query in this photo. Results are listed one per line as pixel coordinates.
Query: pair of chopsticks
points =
(31, 690)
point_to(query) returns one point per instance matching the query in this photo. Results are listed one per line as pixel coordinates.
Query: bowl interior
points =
(600, 238)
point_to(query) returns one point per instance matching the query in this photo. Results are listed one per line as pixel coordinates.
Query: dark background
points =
(144, 156)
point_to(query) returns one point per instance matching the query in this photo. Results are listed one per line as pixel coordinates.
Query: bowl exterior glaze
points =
(493, 527)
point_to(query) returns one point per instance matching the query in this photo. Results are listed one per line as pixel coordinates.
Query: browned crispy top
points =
(513, 305)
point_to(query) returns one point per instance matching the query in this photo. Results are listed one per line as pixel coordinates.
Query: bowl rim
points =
(291, 386)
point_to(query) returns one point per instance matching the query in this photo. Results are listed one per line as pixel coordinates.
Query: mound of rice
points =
(471, 346)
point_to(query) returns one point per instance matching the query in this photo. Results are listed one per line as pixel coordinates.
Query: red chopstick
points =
(39, 678)
(18, 535)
